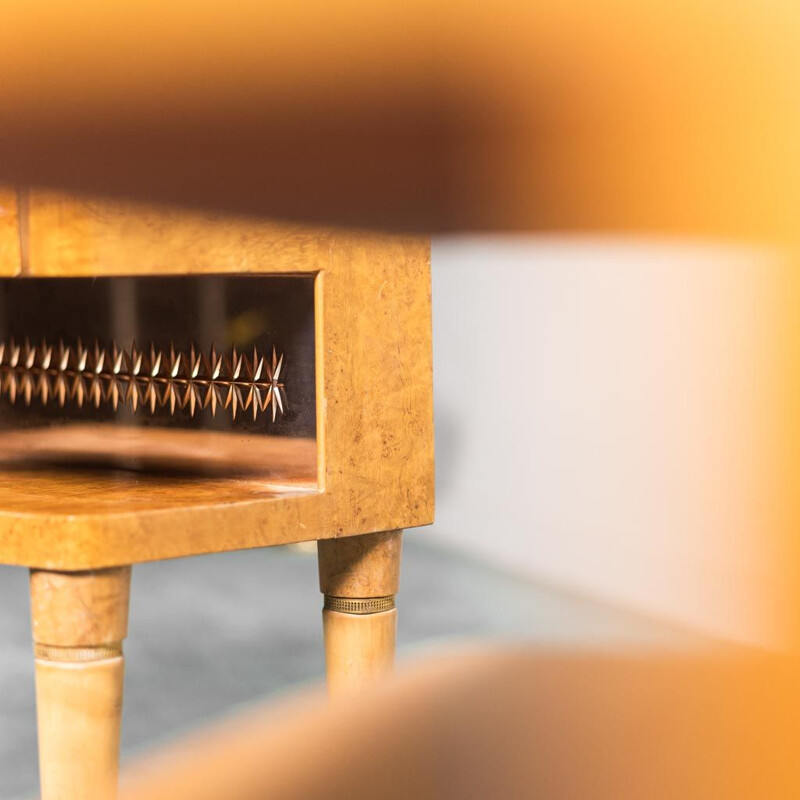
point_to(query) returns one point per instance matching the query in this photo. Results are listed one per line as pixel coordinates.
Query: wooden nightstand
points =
(172, 384)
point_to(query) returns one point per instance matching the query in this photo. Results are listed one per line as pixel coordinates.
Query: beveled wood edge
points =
(85, 236)
(90, 542)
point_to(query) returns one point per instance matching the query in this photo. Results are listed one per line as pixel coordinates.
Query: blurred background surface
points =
(617, 415)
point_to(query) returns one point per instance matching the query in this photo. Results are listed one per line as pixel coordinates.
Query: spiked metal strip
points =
(153, 379)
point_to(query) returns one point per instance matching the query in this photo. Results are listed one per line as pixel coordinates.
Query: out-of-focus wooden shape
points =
(611, 115)
(10, 254)
(509, 724)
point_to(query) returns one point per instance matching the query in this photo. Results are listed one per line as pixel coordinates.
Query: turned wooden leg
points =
(358, 576)
(79, 622)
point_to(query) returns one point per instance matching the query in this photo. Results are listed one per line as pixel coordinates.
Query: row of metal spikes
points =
(152, 379)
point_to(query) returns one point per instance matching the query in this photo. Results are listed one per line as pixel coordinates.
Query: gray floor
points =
(211, 633)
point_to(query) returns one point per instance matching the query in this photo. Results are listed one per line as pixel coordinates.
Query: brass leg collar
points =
(100, 652)
(357, 605)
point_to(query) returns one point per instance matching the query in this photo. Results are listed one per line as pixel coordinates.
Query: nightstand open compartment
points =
(190, 376)
(175, 383)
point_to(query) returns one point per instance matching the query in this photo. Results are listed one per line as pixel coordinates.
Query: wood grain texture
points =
(10, 254)
(78, 710)
(361, 566)
(374, 394)
(359, 649)
(80, 609)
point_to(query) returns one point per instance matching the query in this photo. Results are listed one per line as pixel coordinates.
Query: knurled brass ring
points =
(358, 605)
(100, 652)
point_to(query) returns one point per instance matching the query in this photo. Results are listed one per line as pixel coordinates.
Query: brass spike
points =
(170, 396)
(113, 392)
(30, 355)
(95, 392)
(61, 389)
(267, 399)
(82, 354)
(12, 388)
(44, 387)
(174, 361)
(63, 356)
(151, 396)
(47, 355)
(78, 390)
(132, 395)
(116, 357)
(27, 387)
(155, 362)
(192, 398)
(14, 359)
(195, 362)
(99, 358)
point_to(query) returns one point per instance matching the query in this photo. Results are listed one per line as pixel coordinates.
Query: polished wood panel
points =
(10, 253)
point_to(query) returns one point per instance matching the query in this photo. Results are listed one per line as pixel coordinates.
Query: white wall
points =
(600, 418)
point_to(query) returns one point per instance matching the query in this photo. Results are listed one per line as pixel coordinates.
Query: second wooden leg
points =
(359, 578)
(79, 622)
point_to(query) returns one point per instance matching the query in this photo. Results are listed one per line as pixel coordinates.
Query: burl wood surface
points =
(80, 609)
(374, 393)
(91, 236)
(362, 566)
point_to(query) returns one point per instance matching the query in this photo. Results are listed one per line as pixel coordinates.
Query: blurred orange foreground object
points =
(628, 115)
(509, 725)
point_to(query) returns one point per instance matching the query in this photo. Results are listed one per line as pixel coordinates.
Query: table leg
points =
(359, 577)
(79, 622)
